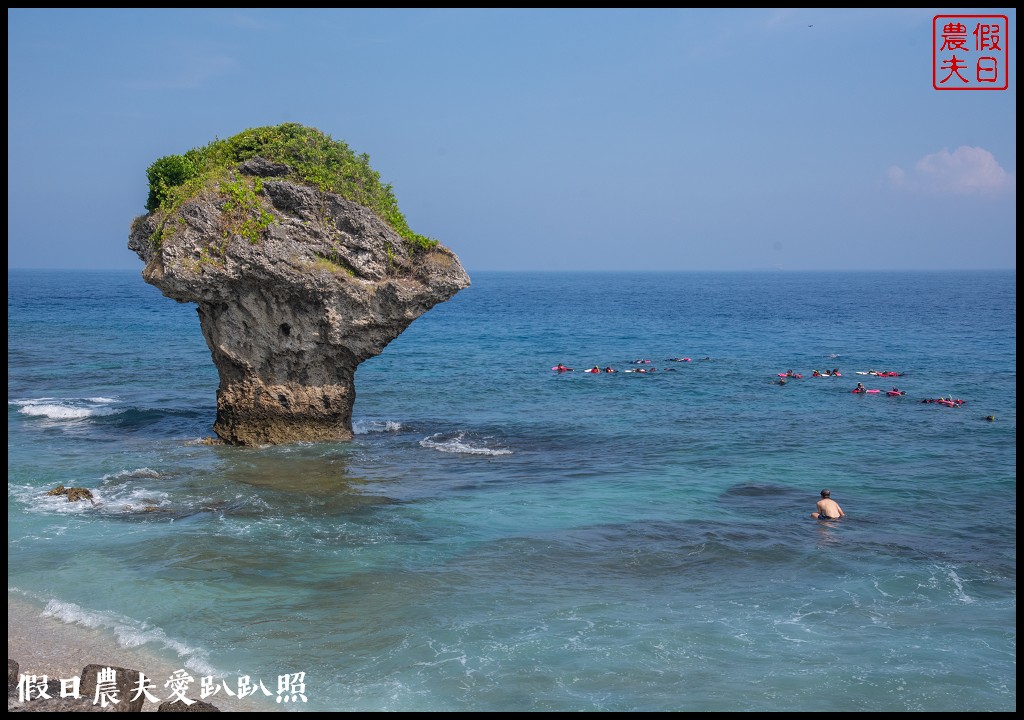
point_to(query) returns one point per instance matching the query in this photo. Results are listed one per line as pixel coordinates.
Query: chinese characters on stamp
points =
(970, 52)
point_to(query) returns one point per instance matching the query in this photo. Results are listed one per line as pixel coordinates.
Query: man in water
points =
(828, 509)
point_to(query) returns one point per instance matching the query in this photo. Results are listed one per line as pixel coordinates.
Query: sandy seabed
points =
(43, 645)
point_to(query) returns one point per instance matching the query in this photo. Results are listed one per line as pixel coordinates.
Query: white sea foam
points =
(364, 427)
(111, 499)
(457, 443)
(66, 408)
(960, 594)
(138, 497)
(144, 472)
(35, 500)
(130, 633)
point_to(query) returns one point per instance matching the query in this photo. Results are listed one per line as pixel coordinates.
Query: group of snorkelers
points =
(597, 369)
(560, 367)
(782, 379)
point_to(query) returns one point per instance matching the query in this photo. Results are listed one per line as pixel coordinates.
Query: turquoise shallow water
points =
(502, 537)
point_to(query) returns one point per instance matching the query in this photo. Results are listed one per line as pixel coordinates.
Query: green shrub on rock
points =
(312, 158)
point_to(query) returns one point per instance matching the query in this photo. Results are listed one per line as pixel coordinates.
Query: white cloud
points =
(897, 178)
(965, 171)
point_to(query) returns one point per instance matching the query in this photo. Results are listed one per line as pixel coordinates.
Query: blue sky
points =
(532, 139)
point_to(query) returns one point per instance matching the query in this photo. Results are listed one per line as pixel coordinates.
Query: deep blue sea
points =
(499, 536)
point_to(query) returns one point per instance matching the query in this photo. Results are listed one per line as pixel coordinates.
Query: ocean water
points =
(498, 536)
